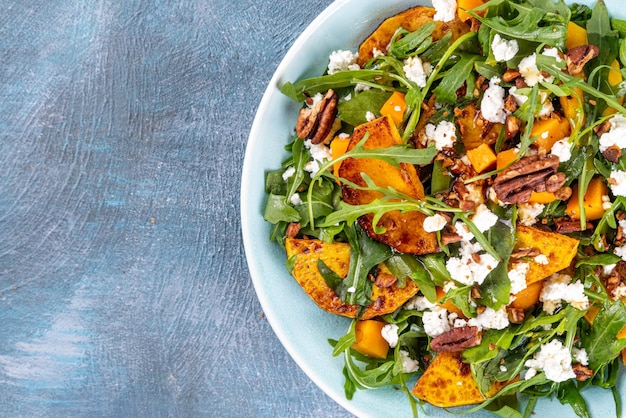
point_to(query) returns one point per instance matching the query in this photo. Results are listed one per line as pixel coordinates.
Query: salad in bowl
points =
(456, 189)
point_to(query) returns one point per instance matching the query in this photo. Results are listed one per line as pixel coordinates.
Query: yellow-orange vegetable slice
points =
(528, 297)
(559, 249)
(482, 158)
(369, 339)
(336, 256)
(576, 36)
(550, 130)
(404, 231)
(474, 130)
(394, 107)
(463, 5)
(411, 20)
(542, 197)
(338, 147)
(504, 158)
(592, 201)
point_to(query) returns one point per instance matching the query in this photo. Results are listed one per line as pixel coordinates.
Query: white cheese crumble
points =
(504, 50)
(490, 319)
(434, 223)
(517, 276)
(527, 212)
(554, 359)
(390, 333)
(436, 321)
(408, 364)
(445, 10)
(351, 289)
(606, 202)
(470, 267)
(342, 61)
(443, 135)
(557, 288)
(617, 181)
(377, 53)
(542, 259)
(419, 303)
(416, 70)
(562, 149)
(295, 199)
(620, 252)
(288, 173)
(492, 104)
(369, 116)
(616, 136)
(528, 68)
(484, 219)
(580, 355)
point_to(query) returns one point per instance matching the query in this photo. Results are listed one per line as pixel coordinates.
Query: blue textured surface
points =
(123, 284)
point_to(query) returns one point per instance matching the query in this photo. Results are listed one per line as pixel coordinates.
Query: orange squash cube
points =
(394, 107)
(528, 297)
(550, 130)
(463, 5)
(576, 36)
(338, 147)
(592, 201)
(504, 158)
(482, 158)
(369, 340)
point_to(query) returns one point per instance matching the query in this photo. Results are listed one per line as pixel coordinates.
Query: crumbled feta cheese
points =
(449, 285)
(503, 369)
(416, 70)
(319, 152)
(390, 334)
(419, 303)
(288, 173)
(546, 105)
(408, 364)
(542, 259)
(528, 212)
(463, 231)
(484, 219)
(504, 50)
(443, 135)
(620, 252)
(471, 267)
(517, 276)
(361, 87)
(342, 61)
(490, 319)
(492, 104)
(616, 135)
(434, 223)
(520, 99)
(475, 192)
(445, 10)
(606, 202)
(554, 359)
(617, 181)
(562, 149)
(369, 116)
(608, 269)
(377, 53)
(528, 68)
(436, 321)
(351, 289)
(552, 52)
(312, 167)
(314, 100)
(295, 199)
(580, 355)
(619, 292)
(558, 288)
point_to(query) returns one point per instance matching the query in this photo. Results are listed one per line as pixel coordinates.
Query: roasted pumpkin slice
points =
(448, 382)
(559, 250)
(337, 257)
(411, 20)
(474, 129)
(403, 231)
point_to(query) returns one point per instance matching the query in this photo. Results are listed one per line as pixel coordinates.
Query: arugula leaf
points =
(496, 288)
(568, 393)
(405, 43)
(406, 265)
(278, 210)
(454, 78)
(332, 279)
(600, 343)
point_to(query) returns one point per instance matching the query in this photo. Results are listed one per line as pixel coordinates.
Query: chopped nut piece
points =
(566, 227)
(457, 339)
(316, 123)
(582, 372)
(536, 173)
(513, 125)
(292, 230)
(526, 252)
(516, 316)
(576, 58)
(612, 153)
(384, 280)
(510, 75)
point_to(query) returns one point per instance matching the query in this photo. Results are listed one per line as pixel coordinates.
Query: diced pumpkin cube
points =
(576, 36)
(395, 107)
(369, 339)
(336, 256)
(463, 5)
(338, 147)
(542, 197)
(528, 297)
(592, 202)
(475, 130)
(558, 248)
(482, 158)
(550, 130)
(504, 158)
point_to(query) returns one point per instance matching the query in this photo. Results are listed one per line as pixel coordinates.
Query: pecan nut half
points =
(315, 123)
(456, 339)
(577, 57)
(536, 173)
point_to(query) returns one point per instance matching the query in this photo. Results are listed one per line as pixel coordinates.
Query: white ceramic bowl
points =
(299, 324)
